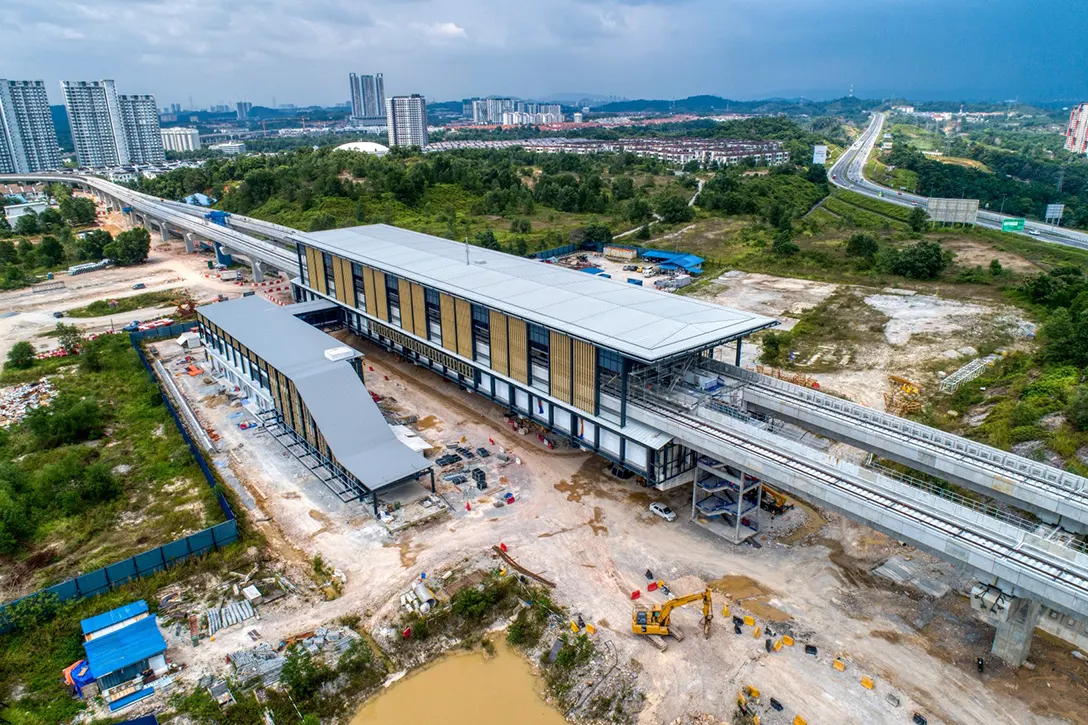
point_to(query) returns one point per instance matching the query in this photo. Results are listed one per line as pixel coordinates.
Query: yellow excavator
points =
(657, 622)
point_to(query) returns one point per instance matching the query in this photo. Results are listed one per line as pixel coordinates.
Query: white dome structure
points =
(366, 147)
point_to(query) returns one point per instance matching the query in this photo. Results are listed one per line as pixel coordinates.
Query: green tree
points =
(862, 245)
(322, 221)
(129, 247)
(996, 270)
(68, 420)
(775, 345)
(643, 232)
(77, 210)
(27, 223)
(1077, 411)
(50, 218)
(674, 208)
(90, 357)
(8, 253)
(487, 240)
(921, 260)
(50, 251)
(20, 356)
(638, 211)
(521, 225)
(918, 219)
(783, 244)
(69, 336)
(817, 174)
(302, 675)
(598, 234)
(90, 246)
(622, 188)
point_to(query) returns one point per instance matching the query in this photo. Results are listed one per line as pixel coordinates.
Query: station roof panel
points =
(640, 322)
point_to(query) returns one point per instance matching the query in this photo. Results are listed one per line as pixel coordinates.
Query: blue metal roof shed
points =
(101, 621)
(686, 262)
(127, 646)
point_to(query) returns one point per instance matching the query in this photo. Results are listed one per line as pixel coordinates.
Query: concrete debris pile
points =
(17, 402)
(263, 664)
(260, 665)
(229, 615)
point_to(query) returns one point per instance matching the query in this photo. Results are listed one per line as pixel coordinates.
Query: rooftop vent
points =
(339, 353)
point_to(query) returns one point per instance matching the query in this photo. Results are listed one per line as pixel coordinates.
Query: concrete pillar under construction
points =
(1012, 640)
(258, 270)
(190, 245)
(164, 232)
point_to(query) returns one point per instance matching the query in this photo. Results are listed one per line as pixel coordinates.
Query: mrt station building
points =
(571, 351)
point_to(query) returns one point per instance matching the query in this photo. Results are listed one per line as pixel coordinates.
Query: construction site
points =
(736, 544)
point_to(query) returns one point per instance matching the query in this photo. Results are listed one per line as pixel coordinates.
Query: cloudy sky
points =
(300, 51)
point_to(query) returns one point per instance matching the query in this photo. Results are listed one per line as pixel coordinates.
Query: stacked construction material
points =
(229, 615)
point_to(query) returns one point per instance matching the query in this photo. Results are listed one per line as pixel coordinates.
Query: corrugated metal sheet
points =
(640, 322)
(100, 621)
(126, 646)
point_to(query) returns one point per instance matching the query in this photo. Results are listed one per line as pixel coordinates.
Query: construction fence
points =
(162, 557)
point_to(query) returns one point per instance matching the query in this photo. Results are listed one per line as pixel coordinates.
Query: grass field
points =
(896, 178)
(162, 493)
(966, 163)
(101, 308)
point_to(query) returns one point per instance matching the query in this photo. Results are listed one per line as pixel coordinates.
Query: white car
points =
(1033, 232)
(660, 509)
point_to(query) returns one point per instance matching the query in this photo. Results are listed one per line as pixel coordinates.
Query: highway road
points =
(848, 172)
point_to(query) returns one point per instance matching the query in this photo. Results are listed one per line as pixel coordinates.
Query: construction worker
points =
(981, 663)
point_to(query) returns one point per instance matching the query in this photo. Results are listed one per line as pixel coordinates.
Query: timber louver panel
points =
(449, 322)
(381, 296)
(419, 310)
(499, 360)
(317, 274)
(519, 352)
(368, 288)
(348, 285)
(464, 329)
(338, 278)
(585, 366)
(407, 319)
(559, 366)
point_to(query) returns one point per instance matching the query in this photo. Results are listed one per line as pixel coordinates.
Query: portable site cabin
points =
(125, 653)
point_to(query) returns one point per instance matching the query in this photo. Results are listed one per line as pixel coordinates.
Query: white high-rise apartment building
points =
(406, 118)
(1076, 134)
(140, 121)
(28, 141)
(367, 96)
(111, 130)
(180, 139)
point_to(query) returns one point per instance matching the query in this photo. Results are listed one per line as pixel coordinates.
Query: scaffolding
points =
(967, 373)
(726, 500)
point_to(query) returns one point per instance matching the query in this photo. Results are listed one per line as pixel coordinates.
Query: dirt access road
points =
(26, 315)
(594, 537)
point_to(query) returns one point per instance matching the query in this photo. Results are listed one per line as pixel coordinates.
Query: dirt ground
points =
(924, 334)
(593, 536)
(26, 315)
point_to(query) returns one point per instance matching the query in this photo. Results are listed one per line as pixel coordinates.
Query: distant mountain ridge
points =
(717, 104)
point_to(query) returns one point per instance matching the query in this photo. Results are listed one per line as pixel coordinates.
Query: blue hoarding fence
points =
(162, 557)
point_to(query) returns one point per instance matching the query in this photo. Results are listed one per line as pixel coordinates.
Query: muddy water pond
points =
(463, 689)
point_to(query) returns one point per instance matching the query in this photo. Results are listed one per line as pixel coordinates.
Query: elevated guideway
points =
(1056, 496)
(1003, 551)
(166, 214)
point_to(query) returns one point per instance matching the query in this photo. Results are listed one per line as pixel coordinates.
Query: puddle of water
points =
(467, 689)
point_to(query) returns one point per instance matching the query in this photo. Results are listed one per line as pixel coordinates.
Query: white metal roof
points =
(342, 408)
(640, 322)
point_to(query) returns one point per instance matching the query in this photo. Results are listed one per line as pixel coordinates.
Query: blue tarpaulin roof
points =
(101, 621)
(591, 270)
(145, 720)
(127, 646)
